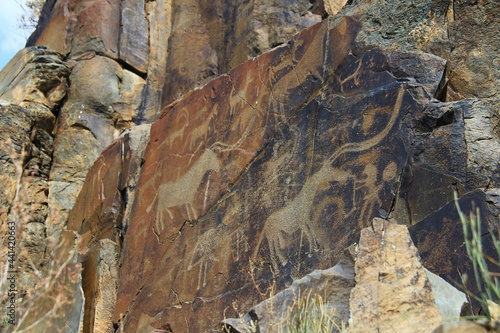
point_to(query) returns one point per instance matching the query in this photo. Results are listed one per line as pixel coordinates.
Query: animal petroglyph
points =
(295, 216)
(183, 190)
(203, 255)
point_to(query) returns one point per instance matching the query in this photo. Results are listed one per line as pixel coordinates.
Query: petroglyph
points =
(295, 216)
(204, 256)
(183, 190)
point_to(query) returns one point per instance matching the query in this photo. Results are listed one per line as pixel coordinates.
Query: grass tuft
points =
(487, 282)
(312, 314)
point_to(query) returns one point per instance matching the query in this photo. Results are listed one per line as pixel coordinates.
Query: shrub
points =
(312, 315)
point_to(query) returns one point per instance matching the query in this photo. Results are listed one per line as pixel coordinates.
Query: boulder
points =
(392, 292)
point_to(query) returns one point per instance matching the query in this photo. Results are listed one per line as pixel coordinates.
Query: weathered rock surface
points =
(57, 304)
(384, 109)
(149, 37)
(100, 104)
(440, 240)
(26, 159)
(392, 291)
(102, 222)
(463, 327)
(449, 301)
(198, 198)
(34, 75)
(32, 87)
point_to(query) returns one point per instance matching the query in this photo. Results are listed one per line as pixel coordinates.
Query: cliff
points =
(165, 161)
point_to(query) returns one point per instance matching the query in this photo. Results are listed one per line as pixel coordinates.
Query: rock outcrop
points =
(198, 201)
(378, 286)
(188, 154)
(175, 45)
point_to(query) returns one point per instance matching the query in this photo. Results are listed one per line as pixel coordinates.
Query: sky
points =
(12, 38)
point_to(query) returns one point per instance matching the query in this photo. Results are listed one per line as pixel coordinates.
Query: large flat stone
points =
(440, 240)
(333, 163)
(205, 152)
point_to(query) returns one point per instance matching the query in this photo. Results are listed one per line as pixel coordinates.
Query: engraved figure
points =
(296, 215)
(182, 191)
(203, 255)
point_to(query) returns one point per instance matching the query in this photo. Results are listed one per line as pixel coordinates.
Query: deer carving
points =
(296, 216)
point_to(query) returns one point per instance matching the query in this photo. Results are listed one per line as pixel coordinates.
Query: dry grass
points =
(28, 287)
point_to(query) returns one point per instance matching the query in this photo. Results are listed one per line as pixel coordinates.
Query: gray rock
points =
(449, 300)
(134, 35)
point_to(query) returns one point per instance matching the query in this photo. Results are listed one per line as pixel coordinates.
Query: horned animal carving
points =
(182, 191)
(295, 216)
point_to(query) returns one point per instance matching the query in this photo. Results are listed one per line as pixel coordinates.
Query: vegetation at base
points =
(312, 315)
(487, 282)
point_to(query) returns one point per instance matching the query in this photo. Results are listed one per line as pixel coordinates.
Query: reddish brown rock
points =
(74, 27)
(258, 163)
(342, 177)
(97, 108)
(232, 125)
(101, 216)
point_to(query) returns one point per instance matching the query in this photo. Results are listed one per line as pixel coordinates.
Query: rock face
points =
(386, 289)
(32, 87)
(392, 292)
(149, 38)
(333, 286)
(258, 167)
(198, 194)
